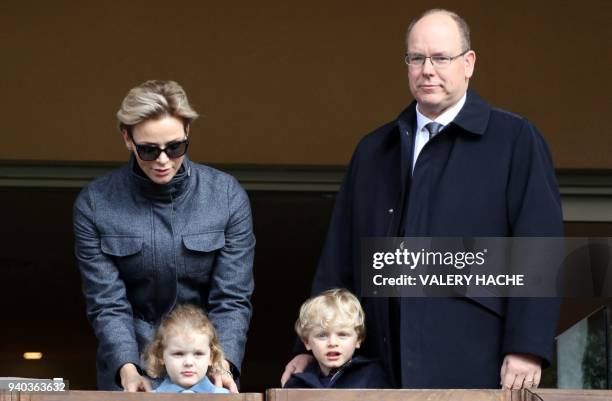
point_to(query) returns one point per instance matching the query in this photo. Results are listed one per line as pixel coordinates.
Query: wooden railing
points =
(324, 395)
(390, 395)
(121, 396)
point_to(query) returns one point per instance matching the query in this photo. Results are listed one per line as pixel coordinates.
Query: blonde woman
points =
(162, 231)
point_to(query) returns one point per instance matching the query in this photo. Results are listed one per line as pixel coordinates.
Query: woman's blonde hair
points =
(331, 308)
(184, 318)
(152, 100)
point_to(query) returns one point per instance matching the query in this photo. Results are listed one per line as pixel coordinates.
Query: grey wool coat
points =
(143, 248)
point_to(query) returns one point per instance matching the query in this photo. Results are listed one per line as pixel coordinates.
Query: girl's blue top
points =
(203, 386)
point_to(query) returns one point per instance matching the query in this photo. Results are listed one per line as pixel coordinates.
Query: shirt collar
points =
(444, 118)
(203, 386)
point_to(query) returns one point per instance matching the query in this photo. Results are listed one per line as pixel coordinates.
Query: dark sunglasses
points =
(173, 150)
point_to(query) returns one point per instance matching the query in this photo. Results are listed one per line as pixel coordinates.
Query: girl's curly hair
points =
(183, 318)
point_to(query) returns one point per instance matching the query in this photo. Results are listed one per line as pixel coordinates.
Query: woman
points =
(158, 232)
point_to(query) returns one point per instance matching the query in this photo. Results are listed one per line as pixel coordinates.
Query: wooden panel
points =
(120, 396)
(390, 395)
(573, 395)
(437, 395)
(325, 395)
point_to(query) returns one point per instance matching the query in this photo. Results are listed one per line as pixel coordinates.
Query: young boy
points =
(331, 325)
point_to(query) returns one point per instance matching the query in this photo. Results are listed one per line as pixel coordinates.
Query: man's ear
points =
(470, 63)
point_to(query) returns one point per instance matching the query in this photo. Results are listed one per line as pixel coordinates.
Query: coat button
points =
(390, 211)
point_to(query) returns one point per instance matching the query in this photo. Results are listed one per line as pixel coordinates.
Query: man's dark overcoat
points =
(488, 173)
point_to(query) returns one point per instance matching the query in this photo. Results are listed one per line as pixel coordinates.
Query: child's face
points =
(332, 347)
(187, 357)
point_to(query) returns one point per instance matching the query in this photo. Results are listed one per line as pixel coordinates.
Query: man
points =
(479, 171)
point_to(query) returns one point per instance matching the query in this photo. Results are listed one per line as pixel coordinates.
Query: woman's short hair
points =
(331, 308)
(152, 100)
(184, 318)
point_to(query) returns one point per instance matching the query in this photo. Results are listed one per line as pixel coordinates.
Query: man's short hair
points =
(329, 309)
(464, 28)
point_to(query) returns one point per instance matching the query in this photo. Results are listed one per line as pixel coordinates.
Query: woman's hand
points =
(296, 365)
(225, 378)
(132, 381)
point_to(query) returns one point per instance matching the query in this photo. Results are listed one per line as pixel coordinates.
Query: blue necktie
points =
(433, 128)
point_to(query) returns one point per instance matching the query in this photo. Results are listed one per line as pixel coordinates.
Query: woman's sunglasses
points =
(173, 150)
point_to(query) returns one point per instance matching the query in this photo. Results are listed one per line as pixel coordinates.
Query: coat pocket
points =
(201, 251)
(126, 252)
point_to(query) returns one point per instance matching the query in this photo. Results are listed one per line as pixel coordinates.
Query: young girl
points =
(184, 350)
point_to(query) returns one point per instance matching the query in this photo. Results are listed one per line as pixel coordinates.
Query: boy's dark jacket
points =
(359, 372)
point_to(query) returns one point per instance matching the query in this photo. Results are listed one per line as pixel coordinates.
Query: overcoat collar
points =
(312, 374)
(177, 187)
(473, 117)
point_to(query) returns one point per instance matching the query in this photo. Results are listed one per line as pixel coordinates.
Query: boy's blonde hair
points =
(183, 318)
(331, 308)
